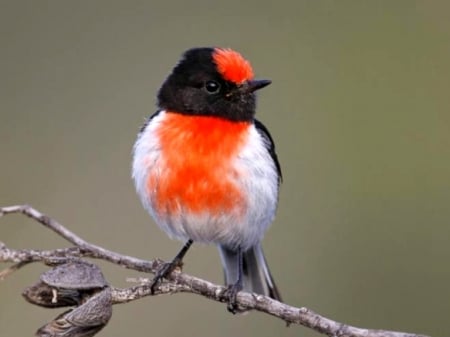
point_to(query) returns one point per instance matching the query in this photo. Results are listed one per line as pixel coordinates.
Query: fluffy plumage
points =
(206, 169)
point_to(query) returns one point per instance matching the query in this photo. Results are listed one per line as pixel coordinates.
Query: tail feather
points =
(256, 274)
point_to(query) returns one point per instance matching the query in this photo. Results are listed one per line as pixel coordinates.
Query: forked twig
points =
(177, 282)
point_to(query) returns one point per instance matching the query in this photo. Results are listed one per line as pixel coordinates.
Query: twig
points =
(11, 269)
(176, 283)
(84, 246)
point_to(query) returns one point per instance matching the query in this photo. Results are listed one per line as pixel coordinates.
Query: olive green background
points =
(360, 112)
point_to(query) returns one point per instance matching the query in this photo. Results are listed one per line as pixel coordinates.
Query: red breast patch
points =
(196, 164)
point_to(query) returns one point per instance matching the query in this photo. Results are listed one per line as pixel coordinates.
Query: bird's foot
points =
(231, 293)
(165, 270)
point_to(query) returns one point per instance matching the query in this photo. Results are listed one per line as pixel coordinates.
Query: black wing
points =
(148, 121)
(270, 146)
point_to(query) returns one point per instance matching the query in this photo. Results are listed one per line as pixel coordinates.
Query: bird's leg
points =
(233, 289)
(168, 267)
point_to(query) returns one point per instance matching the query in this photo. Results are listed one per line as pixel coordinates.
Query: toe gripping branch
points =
(168, 267)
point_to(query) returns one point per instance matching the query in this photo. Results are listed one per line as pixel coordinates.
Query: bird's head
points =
(211, 82)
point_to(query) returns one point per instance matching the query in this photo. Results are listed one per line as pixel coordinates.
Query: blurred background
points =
(359, 108)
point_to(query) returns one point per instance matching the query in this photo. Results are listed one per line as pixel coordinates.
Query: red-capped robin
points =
(206, 169)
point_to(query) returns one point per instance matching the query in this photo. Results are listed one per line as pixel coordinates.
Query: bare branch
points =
(177, 282)
(8, 271)
(84, 246)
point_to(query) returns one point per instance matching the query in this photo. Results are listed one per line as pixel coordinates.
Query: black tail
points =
(256, 274)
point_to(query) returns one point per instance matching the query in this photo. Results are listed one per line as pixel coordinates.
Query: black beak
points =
(253, 85)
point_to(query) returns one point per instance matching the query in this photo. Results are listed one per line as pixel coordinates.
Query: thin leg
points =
(233, 289)
(168, 267)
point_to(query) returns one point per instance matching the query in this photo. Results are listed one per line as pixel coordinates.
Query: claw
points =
(166, 269)
(169, 267)
(232, 292)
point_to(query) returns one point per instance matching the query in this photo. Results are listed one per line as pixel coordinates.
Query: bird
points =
(206, 169)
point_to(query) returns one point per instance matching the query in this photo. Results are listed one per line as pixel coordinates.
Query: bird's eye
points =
(212, 87)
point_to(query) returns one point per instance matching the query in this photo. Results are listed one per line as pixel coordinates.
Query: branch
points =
(177, 282)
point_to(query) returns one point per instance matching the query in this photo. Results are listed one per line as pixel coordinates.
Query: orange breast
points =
(195, 171)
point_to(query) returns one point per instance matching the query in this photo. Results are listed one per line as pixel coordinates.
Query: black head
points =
(211, 82)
